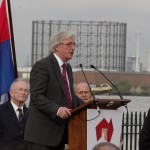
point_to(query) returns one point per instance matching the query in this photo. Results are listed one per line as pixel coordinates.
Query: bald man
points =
(105, 146)
(82, 91)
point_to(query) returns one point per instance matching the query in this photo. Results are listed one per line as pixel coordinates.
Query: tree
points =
(123, 86)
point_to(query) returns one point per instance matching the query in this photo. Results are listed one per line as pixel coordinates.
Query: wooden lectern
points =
(77, 136)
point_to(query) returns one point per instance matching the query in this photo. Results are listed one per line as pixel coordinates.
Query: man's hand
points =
(64, 113)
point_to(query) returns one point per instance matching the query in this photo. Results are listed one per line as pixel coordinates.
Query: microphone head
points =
(80, 65)
(92, 66)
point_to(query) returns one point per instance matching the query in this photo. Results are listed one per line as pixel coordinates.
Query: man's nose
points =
(83, 93)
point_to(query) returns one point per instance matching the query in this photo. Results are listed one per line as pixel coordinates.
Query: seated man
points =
(105, 146)
(83, 92)
(12, 117)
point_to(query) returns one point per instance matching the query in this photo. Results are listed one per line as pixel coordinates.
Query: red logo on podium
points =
(104, 130)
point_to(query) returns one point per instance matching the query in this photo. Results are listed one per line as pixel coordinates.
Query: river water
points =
(138, 103)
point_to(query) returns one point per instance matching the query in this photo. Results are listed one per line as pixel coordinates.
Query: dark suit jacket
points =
(144, 138)
(11, 131)
(47, 96)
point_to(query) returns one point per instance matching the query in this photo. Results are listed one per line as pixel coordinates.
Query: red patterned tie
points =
(66, 86)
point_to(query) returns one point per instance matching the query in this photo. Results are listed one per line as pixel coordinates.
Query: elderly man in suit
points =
(52, 96)
(12, 117)
(83, 92)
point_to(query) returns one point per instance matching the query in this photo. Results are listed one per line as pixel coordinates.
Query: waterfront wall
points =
(137, 80)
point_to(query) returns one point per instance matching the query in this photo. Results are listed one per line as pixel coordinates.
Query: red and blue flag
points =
(7, 74)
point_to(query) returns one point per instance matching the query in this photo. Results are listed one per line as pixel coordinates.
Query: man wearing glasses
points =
(52, 96)
(12, 117)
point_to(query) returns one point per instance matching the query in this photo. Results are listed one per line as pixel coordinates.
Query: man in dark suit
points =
(11, 120)
(144, 137)
(50, 105)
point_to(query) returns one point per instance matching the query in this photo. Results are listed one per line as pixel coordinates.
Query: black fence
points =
(131, 126)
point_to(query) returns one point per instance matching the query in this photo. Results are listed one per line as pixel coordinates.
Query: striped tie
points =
(20, 117)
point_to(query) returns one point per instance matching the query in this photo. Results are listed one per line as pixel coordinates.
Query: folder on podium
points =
(77, 125)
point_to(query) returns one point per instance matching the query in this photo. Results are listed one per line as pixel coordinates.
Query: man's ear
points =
(56, 48)
(10, 92)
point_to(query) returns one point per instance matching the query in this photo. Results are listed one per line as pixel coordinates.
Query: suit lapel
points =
(69, 71)
(57, 72)
(25, 111)
(12, 114)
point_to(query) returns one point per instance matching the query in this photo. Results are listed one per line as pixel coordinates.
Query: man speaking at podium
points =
(52, 96)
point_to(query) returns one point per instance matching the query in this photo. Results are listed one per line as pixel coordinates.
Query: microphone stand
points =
(90, 88)
(111, 84)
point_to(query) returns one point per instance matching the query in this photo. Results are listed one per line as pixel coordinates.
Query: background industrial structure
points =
(102, 44)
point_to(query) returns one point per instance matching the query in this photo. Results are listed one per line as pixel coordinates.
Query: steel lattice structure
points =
(102, 44)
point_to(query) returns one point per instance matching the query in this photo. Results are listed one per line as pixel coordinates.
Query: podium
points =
(77, 125)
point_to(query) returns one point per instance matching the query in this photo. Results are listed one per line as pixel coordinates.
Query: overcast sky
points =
(136, 13)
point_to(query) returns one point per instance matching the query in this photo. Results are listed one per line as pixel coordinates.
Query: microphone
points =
(121, 97)
(108, 80)
(89, 88)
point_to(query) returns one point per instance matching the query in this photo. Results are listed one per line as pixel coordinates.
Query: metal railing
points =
(131, 126)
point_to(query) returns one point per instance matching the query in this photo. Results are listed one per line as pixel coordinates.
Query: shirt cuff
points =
(59, 110)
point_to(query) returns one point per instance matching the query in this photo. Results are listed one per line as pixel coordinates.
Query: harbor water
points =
(138, 103)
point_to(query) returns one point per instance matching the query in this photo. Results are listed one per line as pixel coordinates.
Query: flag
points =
(7, 73)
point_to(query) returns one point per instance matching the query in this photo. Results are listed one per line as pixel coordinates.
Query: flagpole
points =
(12, 39)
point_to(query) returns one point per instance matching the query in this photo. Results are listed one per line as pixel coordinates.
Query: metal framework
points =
(102, 44)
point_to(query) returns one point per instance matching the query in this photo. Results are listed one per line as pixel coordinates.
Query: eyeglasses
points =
(69, 44)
